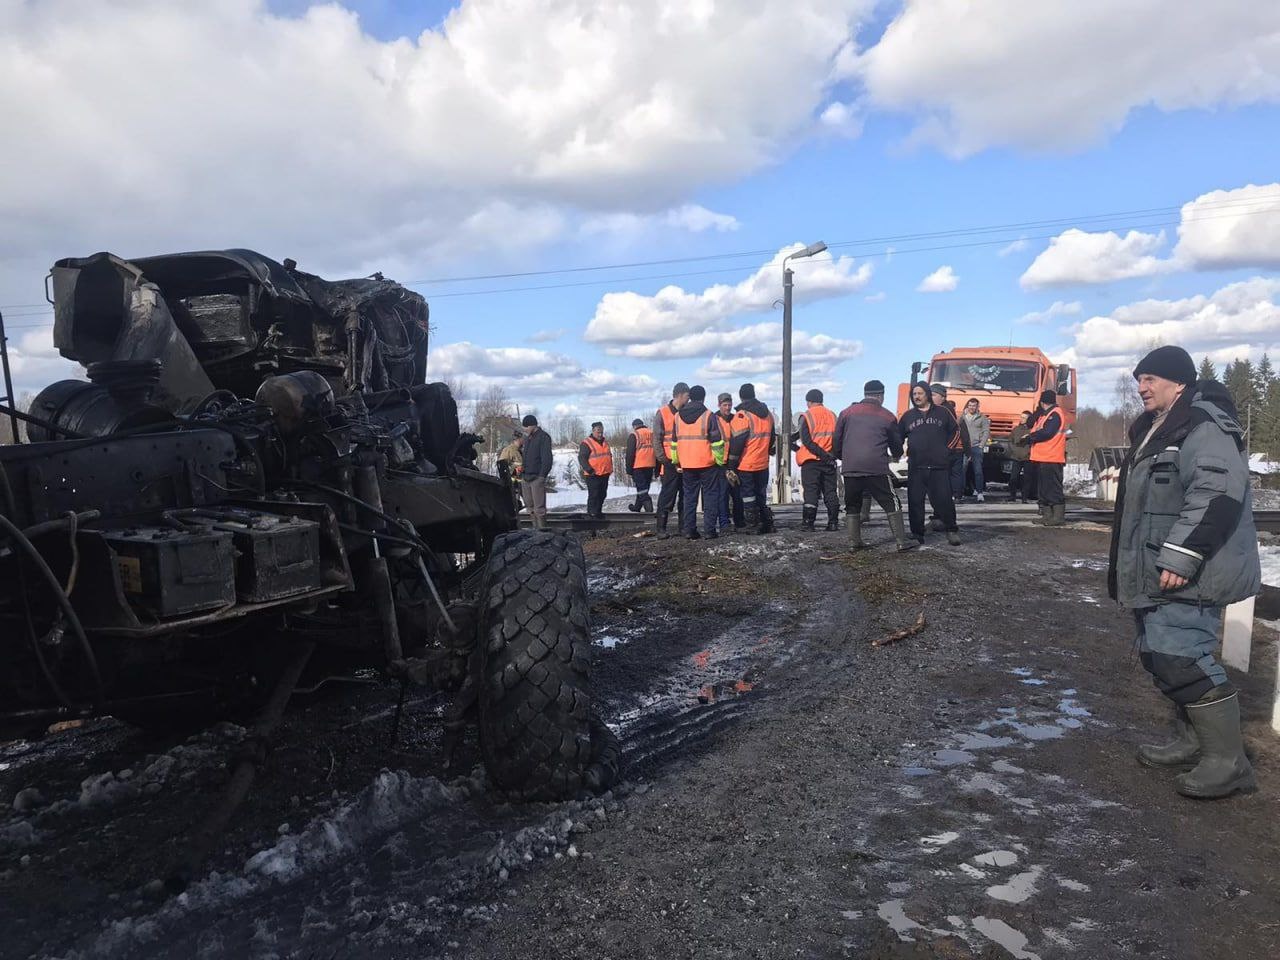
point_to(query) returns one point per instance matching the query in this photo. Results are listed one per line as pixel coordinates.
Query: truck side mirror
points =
(1064, 378)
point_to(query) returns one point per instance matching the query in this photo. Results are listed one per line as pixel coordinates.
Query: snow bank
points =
(1270, 557)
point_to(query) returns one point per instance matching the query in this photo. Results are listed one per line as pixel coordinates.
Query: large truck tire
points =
(535, 664)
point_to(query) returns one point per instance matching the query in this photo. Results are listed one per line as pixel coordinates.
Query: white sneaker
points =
(982, 498)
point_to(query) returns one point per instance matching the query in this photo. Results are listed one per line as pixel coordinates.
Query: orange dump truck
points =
(1005, 380)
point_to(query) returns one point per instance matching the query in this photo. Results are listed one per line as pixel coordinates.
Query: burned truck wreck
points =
(256, 481)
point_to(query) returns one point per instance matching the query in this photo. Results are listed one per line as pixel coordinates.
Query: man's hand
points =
(1171, 581)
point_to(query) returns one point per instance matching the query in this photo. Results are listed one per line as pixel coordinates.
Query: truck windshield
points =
(987, 375)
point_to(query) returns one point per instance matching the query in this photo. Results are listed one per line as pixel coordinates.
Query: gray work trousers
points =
(534, 490)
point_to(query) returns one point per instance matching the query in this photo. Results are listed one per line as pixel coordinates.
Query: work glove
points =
(732, 477)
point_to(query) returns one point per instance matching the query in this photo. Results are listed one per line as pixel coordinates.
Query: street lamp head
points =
(811, 250)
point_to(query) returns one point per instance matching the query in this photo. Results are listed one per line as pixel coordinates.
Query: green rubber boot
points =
(1223, 768)
(1182, 751)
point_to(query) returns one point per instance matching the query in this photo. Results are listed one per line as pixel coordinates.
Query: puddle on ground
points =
(892, 913)
(1037, 731)
(1000, 932)
(1022, 671)
(997, 858)
(1034, 682)
(940, 839)
(1073, 885)
(1004, 766)
(1069, 706)
(918, 771)
(950, 758)
(1090, 564)
(1018, 888)
(973, 871)
(982, 741)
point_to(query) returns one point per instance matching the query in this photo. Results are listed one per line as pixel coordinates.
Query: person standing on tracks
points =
(699, 450)
(1021, 475)
(1183, 546)
(817, 461)
(731, 512)
(640, 465)
(978, 425)
(753, 444)
(1048, 439)
(670, 495)
(538, 461)
(867, 438)
(929, 429)
(595, 460)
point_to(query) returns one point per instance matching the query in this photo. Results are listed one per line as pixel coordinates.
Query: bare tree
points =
(494, 419)
(568, 429)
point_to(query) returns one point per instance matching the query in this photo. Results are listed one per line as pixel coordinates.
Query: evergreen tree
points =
(1263, 377)
(1207, 370)
(1241, 382)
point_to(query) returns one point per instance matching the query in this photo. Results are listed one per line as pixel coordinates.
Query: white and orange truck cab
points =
(1005, 380)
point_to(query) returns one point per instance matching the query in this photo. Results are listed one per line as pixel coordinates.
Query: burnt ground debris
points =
(969, 791)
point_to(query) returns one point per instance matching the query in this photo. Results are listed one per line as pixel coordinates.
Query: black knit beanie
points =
(747, 392)
(872, 387)
(1048, 396)
(1171, 363)
(813, 396)
(697, 393)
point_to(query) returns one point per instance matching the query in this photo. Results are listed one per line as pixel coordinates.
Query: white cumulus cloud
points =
(1231, 228)
(942, 280)
(1061, 74)
(528, 373)
(626, 317)
(1055, 310)
(1078, 257)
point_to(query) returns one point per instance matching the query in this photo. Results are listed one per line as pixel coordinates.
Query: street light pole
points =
(784, 429)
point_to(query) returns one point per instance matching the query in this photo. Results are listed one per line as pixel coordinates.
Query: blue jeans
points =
(956, 465)
(979, 484)
(1176, 643)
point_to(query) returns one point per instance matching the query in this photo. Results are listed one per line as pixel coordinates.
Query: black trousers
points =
(879, 489)
(1021, 479)
(818, 477)
(936, 483)
(702, 483)
(1049, 476)
(597, 488)
(671, 492)
(643, 478)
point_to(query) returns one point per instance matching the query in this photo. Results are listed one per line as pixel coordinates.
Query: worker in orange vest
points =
(699, 450)
(731, 509)
(817, 461)
(1048, 439)
(664, 430)
(753, 443)
(595, 458)
(640, 465)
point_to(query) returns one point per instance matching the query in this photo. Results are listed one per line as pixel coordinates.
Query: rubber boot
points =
(953, 538)
(1044, 516)
(1055, 515)
(1223, 768)
(855, 532)
(833, 520)
(662, 517)
(809, 517)
(1182, 751)
(751, 515)
(646, 504)
(900, 534)
(866, 509)
(634, 507)
(766, 519)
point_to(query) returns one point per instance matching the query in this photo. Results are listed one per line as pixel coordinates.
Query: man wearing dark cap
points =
(640, 465)
(1183, 546)
(817, 461)
(753, 445)
(664, 427)
(1048, 439)
(595, 460)
(699, 450)
(538, 461)
(866, 439)
(731, 512)
(959, 443)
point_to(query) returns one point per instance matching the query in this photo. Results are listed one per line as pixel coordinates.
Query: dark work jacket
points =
(1184, 505)
(538, 459)
(867, 437)
(1019, 447)
(631, 453)
(738, 445)
(928, 433)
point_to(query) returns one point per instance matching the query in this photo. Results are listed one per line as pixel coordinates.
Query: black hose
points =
(8, 527)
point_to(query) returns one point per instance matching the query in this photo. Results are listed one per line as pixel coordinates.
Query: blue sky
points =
(438, 141)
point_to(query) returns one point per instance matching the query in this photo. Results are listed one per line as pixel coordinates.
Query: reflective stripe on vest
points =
(693, 443)
(758, 429)
(822, 431)
(1053, 450)
(668, 418)
(644, 449)
(601, 458)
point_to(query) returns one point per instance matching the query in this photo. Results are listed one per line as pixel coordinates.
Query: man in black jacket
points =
(867, 438)
(929, 431)
(538, 461)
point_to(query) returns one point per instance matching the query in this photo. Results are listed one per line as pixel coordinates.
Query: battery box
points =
(278, 556)
(170, 572)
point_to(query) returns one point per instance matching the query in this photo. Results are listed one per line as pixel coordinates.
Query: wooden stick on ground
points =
(902, 634)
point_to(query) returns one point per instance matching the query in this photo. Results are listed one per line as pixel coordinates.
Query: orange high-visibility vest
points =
(822, 431)
(601, 458)
(668, 417)
(644, 449)
(1053, 450)
(693, 442)
(758, 429)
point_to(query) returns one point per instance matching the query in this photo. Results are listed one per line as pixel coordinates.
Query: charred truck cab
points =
(256, 476)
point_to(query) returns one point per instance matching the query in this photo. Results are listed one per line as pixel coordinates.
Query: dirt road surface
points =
(793, 789)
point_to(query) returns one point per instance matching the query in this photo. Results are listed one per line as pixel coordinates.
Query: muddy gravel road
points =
(793, 789)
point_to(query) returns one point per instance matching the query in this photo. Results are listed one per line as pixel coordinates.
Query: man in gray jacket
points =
(866, 438)
(1184, 546)
(979, 426)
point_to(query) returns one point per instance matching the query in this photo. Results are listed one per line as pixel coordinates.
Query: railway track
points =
(1267, 521)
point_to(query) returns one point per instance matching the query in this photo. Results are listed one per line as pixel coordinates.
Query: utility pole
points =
(784, 428)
